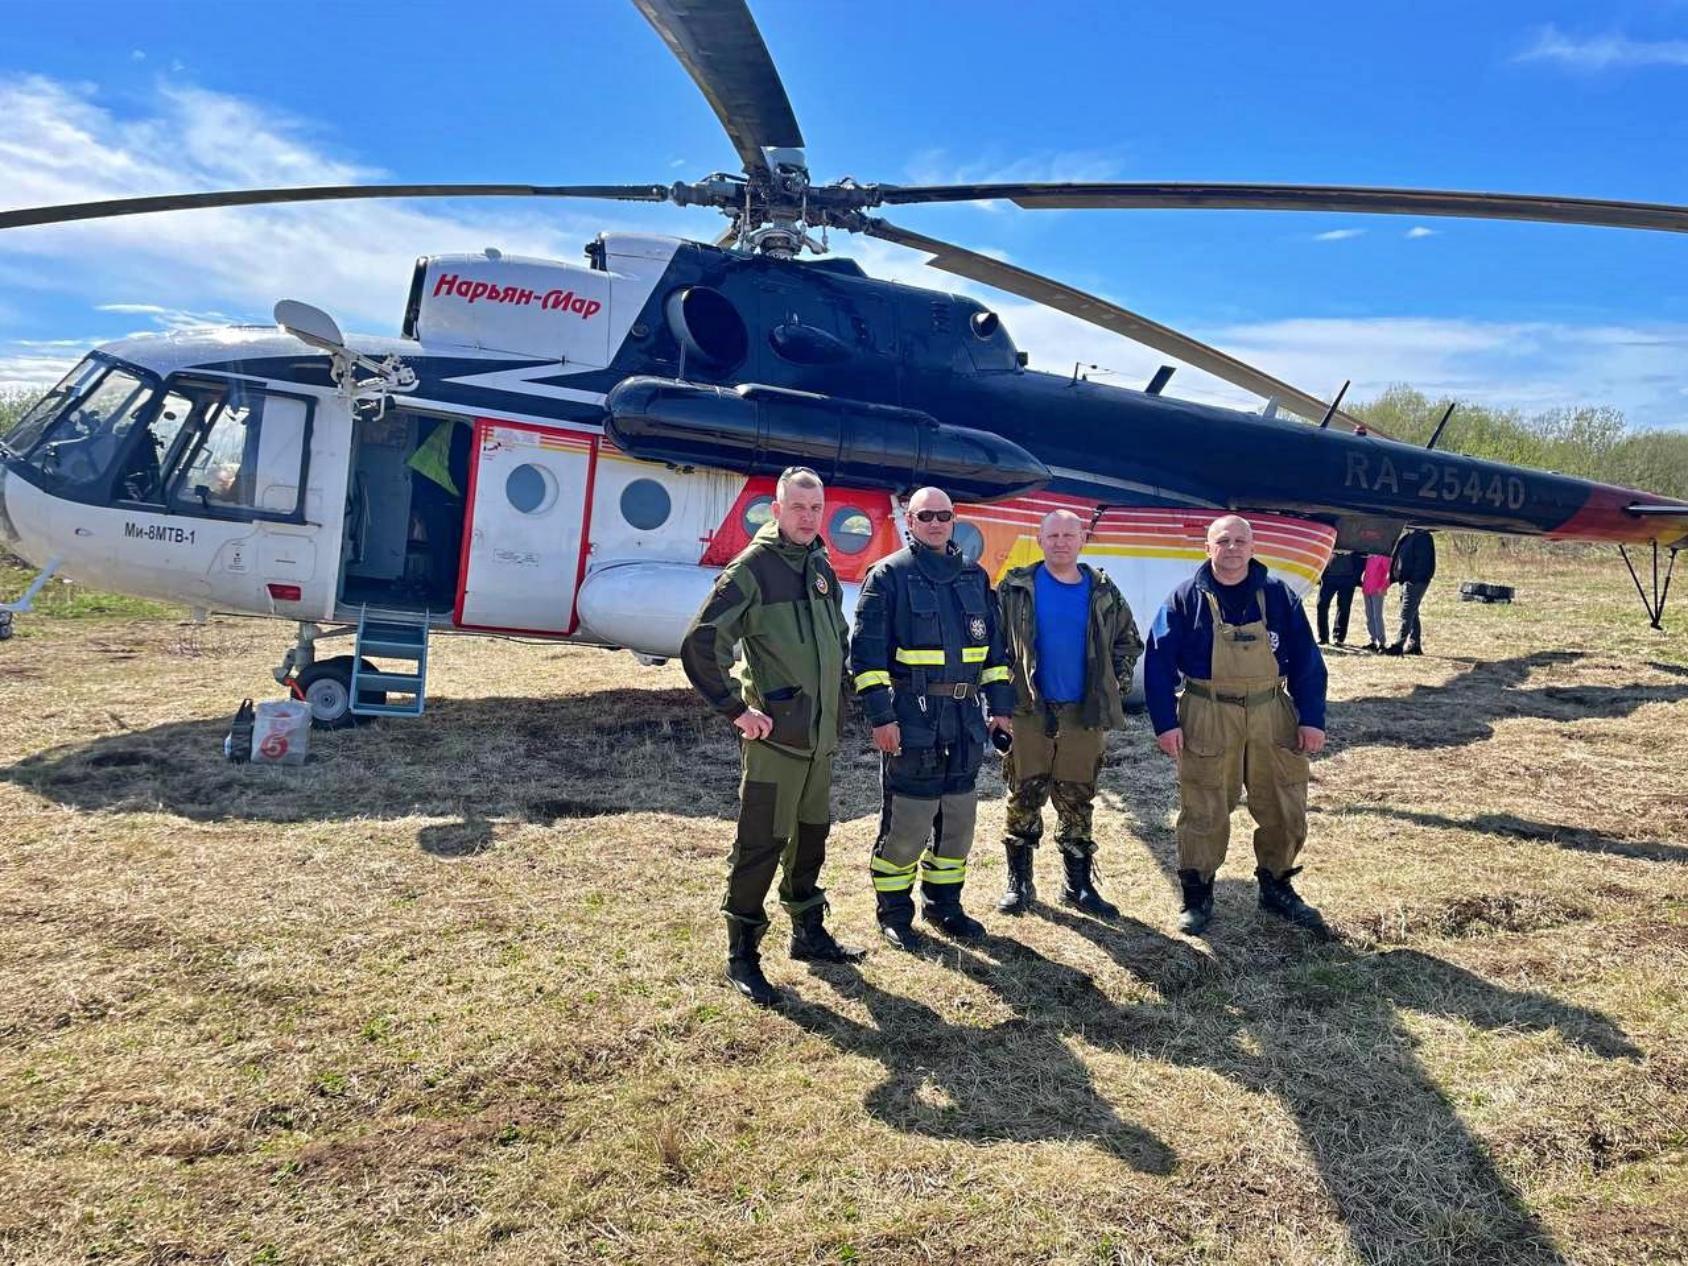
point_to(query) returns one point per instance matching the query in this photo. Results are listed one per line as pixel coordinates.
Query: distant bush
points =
(1592, 442)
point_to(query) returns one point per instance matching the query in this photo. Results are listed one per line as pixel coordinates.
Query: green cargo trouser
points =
(1063, 766)
(1229, 747)
(785, 812)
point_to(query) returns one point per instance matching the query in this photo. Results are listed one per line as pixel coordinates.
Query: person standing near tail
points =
(779, 600)
(1413, 566)
(925, 648)
(1374, 584)
(1251, 712)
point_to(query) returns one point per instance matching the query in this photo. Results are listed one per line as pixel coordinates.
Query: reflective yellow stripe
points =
(926, 659)
(942, 870)
(890, 877)
(875, 677)
(999, 673)
(974, 654)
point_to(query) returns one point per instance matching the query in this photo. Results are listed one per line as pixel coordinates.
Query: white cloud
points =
(1338, 235)
(1417, 231)
(1604, 52)
(60, 144)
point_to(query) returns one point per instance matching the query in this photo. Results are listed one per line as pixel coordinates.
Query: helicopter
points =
(572, 451)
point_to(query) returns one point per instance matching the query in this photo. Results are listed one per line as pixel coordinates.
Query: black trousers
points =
(1343, 592)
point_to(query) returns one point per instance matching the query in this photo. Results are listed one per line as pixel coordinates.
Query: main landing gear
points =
(325, 685)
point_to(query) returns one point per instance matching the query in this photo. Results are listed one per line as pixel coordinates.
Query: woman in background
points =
(1374, 583)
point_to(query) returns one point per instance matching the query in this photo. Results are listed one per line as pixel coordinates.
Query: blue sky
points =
(102, 100)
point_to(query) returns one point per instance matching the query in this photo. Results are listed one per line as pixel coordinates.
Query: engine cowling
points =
(760, 430)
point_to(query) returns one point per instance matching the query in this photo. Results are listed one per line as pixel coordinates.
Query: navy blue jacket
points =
(926, 617)
(1181, 642)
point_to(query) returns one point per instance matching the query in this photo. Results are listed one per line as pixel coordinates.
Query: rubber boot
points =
(812, 943)
(744, 963)
(941, 904)
(1021, 891)
(896, 920)
(1278, 897)
(1198, 903)
(1080, 891)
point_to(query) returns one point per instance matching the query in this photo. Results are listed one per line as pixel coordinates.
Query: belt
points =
(1245, 700)
(953, 690)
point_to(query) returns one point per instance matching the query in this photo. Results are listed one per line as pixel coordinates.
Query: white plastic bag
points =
(281, 732)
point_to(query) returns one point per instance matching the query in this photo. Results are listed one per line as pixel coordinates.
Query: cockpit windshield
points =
(74, 434)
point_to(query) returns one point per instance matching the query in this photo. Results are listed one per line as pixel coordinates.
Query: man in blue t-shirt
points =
(1072, 642)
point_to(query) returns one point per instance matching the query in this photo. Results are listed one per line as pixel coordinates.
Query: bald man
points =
(1251, 712)
(925, 654)
(1072, 643)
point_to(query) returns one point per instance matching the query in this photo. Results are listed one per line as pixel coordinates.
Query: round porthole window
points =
(969, 540)
(531, 489)
(850, 530)
(645, 504)
(757, 513)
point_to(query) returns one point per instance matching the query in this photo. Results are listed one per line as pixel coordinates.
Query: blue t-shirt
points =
(1063, 615)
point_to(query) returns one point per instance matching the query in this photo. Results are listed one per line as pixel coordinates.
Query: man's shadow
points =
(1014, 1082)
(1319, 1026)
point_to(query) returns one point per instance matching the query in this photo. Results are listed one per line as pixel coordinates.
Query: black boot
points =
(896, 920)
(1080, 890)
(744, 963)
(1021, 891)
(1198, 903)
(1394, 648)
(812, 943)
(941, 904)
(1278, 897)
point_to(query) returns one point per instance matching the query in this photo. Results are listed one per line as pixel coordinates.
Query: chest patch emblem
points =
(1274, 640)
(820, 585)
(976, 628)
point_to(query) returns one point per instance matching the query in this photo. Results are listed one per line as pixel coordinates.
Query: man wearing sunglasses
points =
(779, 601)
(926, 646)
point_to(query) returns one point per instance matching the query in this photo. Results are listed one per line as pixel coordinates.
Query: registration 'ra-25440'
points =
(1433, 481)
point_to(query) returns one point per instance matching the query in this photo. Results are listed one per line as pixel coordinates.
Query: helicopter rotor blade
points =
(1663, 217)
(68, 212)
(1087, 307)
(718, 44)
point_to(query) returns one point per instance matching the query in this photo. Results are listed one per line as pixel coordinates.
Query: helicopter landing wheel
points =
(326, 687)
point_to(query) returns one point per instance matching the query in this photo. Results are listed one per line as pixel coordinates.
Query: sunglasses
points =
(934, 516)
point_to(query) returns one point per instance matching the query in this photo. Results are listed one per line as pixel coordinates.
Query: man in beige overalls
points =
(1251, 713)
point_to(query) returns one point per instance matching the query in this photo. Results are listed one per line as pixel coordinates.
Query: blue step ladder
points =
(390, 636)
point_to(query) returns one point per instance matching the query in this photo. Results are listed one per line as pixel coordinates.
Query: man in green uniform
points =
(780, 601)
(1071, 642)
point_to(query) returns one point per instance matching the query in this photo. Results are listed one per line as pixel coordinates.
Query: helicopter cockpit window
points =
(142, 476)
(248, 455)
(77, 432)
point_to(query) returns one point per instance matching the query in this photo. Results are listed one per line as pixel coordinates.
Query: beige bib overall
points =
(1240, 730)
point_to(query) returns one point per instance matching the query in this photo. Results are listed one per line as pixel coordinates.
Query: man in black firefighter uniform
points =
(925, 647)
(779, 601)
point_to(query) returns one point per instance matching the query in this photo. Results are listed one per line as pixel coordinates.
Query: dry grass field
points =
(451, 991)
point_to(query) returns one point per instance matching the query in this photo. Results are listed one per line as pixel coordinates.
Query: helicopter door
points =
(525, 543)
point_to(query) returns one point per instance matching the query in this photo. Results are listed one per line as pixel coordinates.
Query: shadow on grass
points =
(1509, 826)
(1014, 1082)
(1464, 710)
(1319, 1026)
(475, 760)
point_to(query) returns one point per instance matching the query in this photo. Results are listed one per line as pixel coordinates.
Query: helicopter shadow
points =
(475, 761)
(1464, 710)
(1323, 1028)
